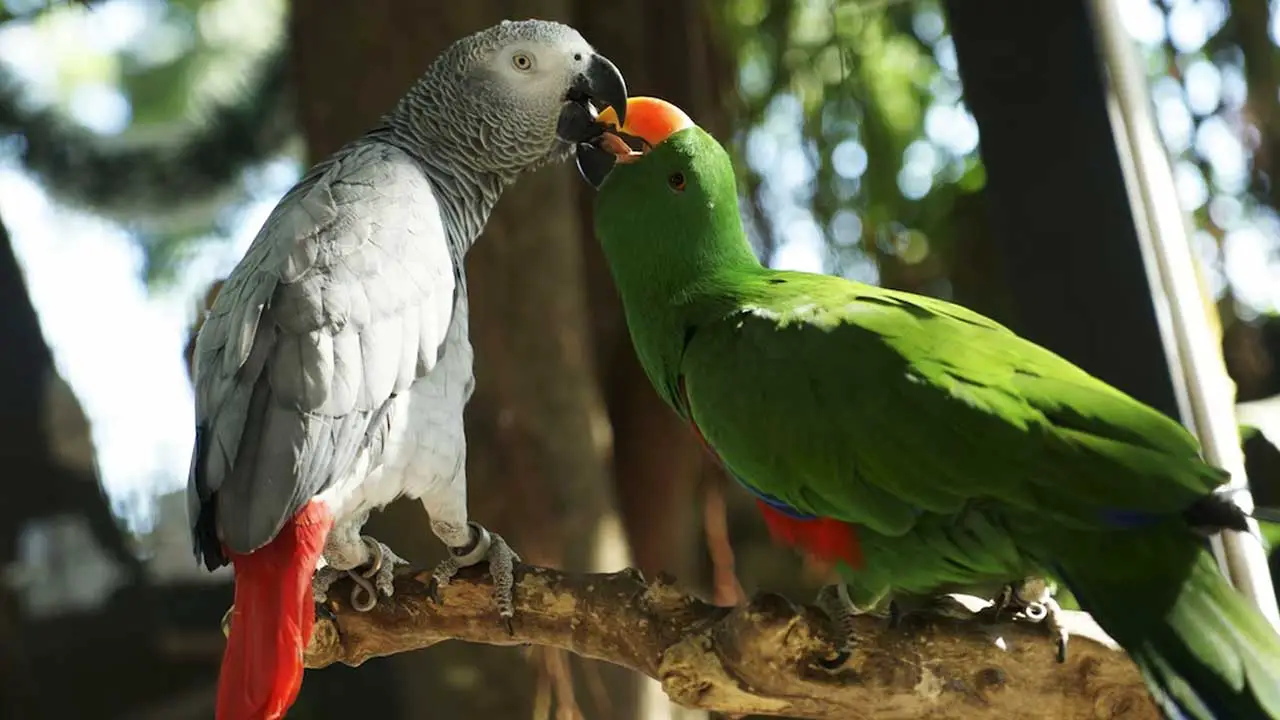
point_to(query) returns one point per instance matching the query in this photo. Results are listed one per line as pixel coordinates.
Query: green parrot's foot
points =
(1017, 598)
(502, 559)
(1032, 600)
(834, 600)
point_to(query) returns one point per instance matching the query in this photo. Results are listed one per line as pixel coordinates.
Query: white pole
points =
(1208, 406)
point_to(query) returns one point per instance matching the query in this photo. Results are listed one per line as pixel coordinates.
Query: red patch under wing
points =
(825, 539)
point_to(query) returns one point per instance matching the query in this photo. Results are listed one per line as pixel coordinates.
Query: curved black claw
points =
(896, 614)
(836, 661)
(324, 612)
(834, 601)
(1062, 649)
(511, 629)
(433, 592)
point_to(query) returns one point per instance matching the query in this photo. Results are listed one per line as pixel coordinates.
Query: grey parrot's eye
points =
(522, 62)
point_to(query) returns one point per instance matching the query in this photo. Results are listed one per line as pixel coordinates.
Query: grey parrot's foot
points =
(835, 602)
(376, 576)
(502, 559)
(1032, 600)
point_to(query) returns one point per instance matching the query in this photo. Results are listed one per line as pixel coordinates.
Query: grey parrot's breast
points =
(425, 448)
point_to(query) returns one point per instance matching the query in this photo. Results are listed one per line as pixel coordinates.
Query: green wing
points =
(871, 406)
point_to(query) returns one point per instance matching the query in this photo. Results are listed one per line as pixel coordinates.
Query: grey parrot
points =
(332, 370)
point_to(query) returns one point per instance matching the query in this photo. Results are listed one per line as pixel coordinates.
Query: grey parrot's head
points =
(519, 94)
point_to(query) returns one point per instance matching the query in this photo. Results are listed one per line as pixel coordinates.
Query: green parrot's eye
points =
(676, 181)
(522, 62)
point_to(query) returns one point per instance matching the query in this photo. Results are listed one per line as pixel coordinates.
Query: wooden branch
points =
(759, 658)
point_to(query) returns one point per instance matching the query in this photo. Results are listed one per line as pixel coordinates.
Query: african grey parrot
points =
(332, 370)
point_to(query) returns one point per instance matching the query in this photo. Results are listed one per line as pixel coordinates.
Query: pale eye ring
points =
(522, 62)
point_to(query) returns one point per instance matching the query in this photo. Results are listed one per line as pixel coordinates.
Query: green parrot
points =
(916, 443)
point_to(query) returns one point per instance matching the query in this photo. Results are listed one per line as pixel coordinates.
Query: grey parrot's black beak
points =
(601, 84)
(597, 158)
(595, 163)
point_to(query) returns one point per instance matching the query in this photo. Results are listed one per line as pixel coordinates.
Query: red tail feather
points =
(825, 539)
(273, 619)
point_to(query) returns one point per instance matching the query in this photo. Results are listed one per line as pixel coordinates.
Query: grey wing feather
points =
(342, 301)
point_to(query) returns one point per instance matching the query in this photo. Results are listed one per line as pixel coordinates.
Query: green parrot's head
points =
(666, 215)
(665, 185)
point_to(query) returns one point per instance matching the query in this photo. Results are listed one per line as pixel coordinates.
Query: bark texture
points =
(762, 657)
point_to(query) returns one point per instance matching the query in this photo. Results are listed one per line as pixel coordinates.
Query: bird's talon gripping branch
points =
(1019, 599)
(896, 613)
(502, 560)
(373, 577)
(1033, 600)
(378, 577)
(835, 602)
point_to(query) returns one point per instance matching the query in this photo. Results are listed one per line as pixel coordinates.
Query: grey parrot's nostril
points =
(601, 84)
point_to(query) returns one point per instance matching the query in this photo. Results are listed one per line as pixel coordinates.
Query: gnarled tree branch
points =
(759, 658)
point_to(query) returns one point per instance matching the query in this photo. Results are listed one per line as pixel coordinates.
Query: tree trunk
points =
(664, 49)
(536, 428)
(76, 609)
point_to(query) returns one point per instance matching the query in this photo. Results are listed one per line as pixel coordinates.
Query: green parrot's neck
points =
(675, 283)
(674, 275)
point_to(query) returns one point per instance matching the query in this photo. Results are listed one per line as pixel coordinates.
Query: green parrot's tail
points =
(1205, 652)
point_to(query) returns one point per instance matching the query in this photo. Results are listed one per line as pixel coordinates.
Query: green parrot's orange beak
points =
(649, 122)
(649, 119)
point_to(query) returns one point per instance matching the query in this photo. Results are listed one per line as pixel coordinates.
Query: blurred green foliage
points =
(853, 131)
(164, 77)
